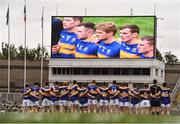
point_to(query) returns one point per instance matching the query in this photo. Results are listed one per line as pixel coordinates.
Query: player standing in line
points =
(26, 98)
(146, 47)
(145, 99)
(134, 100)
(63, 98)
(68, 38)
(55, 97)
(35, 95)
(83, 98)
(92, 97)
(129, 41)
(46, 100)
(85, 47)
(73, 96)
(124, 98)
(114, 98)
(155, 94)
(104, 100)
(165, 99)
(108, 46)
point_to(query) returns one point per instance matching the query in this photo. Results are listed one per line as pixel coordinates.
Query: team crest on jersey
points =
(128, 48)
(85, 49)
(108, 51)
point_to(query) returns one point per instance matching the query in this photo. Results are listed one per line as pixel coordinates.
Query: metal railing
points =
(175, 90)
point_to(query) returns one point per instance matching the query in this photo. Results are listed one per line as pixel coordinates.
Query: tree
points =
(170, 58)
(13, 51)
(31, 54)
(159, 56)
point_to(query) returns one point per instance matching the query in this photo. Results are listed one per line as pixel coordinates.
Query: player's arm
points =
(26, 93)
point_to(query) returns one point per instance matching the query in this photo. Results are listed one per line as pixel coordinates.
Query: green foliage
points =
(159, 56)
(170, 58)
(18, 53)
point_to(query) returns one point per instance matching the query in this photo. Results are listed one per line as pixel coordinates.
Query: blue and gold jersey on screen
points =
(86, 49)
(67, 43)
(108, 50)
(129, 50)
(142, 56)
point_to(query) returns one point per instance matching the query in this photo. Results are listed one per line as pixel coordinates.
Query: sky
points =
(167, 12)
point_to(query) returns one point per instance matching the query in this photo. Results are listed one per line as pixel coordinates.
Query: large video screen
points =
(91, 37)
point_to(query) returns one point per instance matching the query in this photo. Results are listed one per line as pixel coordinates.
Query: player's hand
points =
(55, 48)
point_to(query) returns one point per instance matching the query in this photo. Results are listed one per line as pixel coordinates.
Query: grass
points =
(83, 118)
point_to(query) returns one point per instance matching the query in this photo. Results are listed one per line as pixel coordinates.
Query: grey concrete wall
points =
(17, 72)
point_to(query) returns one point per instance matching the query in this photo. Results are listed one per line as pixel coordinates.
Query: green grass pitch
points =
(84, 118)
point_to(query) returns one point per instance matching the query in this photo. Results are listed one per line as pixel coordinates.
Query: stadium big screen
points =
(103, 37)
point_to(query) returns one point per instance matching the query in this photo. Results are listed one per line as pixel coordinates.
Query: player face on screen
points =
(69, 23)
(129, 33)
(85, 31)
(101, 35)
(146, 46)
(126, 35)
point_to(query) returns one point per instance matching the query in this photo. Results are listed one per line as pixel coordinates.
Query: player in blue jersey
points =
(26, 98)
(129, 41)
(63, 98)
(124, 98)
(35, 95)
(92, 96)
(73, 96)
(55, 97)
(83, 98)
(165, 99)
(68, 38)
(144, 94)
(114, 97)
(85, 47)
(146, 47)
(108, 46)
(104, 97)
(46, 100)
(134, 100)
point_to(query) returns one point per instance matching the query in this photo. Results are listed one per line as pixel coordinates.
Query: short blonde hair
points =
(107, 27)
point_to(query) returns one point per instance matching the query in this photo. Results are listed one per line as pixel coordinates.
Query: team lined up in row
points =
(115, 98)
(87, 40)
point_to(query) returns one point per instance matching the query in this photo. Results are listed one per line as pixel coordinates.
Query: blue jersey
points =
(104, 93)
(46, 90)
(108, 50)
(123, 97)
(92, 91)
(67, 43)
(129, 50)
(55, 90)
(165, 97)
(83, 97)
(64, 90)
(35, 90)
(74, 93)
(24, 91)
(114, 89)
(86, 49)
(134, 99)
(144, 57)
